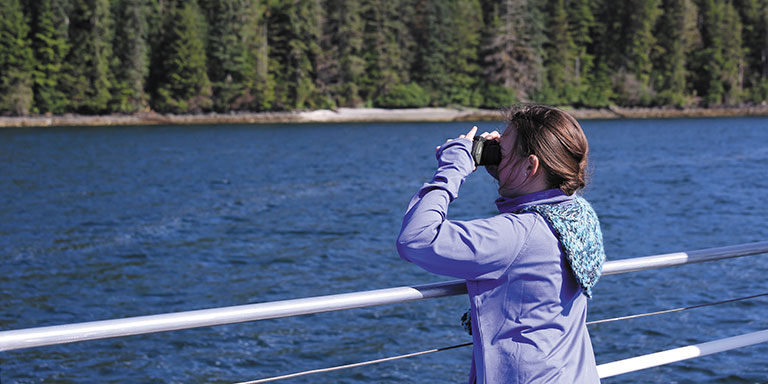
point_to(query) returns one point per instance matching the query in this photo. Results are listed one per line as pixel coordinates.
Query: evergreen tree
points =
(227, 52)
(561, 58)
(581, 28)
(759, 83)
(464, 55)
(131, 64)
(430, 69)
(605, 41)
(50, 47)
(87, 77)
(733, 54)
(260, 85)
(673, 32)
(16, 60)
(633, 57)
(513, 48)
(293, 42)
(184, 86)
(341, 64)
(753, 14)
(388, 47)
(718, 76)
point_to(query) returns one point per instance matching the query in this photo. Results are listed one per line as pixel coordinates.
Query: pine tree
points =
(260, 85)
(16, 60)
(430, 70)
(87, 77)
(293, 42)
(466, 27)
(718, 75)
(341, 64)
(670, 56)
(633, 58)
(131, 64)
(733, 54)
(513, 48)
(561, 58)
(759, 91)
(49, 42)
(184, 86)
(388, 47)
(227, 51)
(581, 28)
(755, 26)
(605, 43)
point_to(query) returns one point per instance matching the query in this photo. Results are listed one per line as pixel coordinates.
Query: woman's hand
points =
(495, 135)
(469, 135)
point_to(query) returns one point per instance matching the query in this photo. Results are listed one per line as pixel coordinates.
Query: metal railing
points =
(638, 363)
(69, 333)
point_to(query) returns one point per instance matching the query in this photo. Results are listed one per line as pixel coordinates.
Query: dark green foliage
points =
(236, 53)
(465, 71)
(719, 80)
(754, 17)
(388, 46)
(87, 76)
(403, 96)
(513, 46)
(497, 96)
(259, 91)
(49, 42)
(432, 29)
(190, 56)
(561, 58)
(131, 61)
(184, 85)
(16, 60)
(294, 48)
(341, 65)
(633, 43)
(676, 33)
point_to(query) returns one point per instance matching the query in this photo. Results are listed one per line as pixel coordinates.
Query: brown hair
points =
(556, 138)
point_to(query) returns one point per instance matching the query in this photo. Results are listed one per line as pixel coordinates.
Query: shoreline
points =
(367, 115)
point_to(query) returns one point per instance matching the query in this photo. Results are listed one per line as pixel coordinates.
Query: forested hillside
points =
(193, 56)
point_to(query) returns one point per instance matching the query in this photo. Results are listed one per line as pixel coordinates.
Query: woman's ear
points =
(532, 166)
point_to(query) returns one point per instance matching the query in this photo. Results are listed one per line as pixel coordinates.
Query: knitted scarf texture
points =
(576, 225)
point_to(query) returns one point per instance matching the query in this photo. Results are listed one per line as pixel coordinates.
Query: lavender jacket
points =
(528, 312)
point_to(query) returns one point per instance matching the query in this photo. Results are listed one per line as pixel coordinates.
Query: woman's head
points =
(542, 148)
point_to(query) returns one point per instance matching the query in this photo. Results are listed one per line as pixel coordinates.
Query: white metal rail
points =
(69, 333)
(669, 356)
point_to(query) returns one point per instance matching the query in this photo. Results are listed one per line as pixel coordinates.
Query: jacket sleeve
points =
(471, 250)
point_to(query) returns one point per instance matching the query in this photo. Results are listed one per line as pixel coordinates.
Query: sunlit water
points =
(100, 223)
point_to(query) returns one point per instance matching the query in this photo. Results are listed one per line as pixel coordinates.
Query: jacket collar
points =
(519, 203)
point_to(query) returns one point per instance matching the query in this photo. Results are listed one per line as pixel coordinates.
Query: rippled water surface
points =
(100, 223)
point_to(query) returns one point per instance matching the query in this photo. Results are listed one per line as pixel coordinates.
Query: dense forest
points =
(193, 56)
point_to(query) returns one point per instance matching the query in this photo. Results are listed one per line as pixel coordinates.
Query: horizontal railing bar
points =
(69, 333)
(670, 356)
(94, 330)
(681, 258)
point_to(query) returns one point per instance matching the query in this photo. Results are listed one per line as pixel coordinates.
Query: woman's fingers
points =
(490, 136)
(470, 134)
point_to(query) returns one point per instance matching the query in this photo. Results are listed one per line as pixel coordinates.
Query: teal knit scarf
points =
(576, 225)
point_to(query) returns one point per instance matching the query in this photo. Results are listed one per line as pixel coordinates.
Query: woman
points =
(530, 269)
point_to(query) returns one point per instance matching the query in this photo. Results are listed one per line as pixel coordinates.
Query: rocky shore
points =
(345, 115)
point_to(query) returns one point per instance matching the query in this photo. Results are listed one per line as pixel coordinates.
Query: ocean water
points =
(101, 223)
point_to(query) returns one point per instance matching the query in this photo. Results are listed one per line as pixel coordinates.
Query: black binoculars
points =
(486, 152)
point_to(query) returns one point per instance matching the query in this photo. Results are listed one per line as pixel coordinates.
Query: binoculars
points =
(486, 152)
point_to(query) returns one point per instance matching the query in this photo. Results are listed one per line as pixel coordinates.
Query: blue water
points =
(100, 223)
